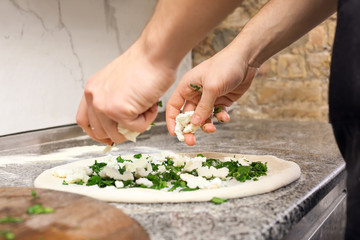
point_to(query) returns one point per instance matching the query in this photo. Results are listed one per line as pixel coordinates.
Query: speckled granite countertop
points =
(267, 216)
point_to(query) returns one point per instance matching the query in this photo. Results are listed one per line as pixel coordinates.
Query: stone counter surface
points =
(268, 216)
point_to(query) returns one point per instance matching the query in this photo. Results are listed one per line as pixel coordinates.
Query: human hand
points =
(212, 86)
(123, 93)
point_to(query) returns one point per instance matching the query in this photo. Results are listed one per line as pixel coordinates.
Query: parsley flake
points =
(11, 220)
(80, 182)
(195, 87)
(33, 193)
(39, 209)
(217, 200)
(217, 109)
(7, 234)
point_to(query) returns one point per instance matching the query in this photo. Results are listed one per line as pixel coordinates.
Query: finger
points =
(83, 121)
(82, 115)
(208, 126)
(204, 109)
(111, 129)
(189, 139)
(221, 113)
(141, 122)
(189, 106)
(173, 108)
(96, 126)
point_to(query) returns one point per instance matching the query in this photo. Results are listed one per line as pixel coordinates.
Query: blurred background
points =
(49, 48)
(293, 84)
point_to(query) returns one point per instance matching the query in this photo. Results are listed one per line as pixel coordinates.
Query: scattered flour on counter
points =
(61, 155)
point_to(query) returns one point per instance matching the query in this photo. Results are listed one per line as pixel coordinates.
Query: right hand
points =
(223, 79)
(125, 92)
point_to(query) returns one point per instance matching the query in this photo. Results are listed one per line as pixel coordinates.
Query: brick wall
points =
(293, 84)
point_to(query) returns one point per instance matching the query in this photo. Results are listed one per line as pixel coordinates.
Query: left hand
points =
(222, 79)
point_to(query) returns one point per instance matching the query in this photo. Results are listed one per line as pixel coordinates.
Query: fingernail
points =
(196, 120)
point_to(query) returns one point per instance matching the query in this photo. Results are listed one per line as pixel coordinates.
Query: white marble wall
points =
(49, 48)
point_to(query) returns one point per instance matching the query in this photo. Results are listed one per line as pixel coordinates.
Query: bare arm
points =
(278, 24)
(226, 76)
(177, 26)
(125, 91)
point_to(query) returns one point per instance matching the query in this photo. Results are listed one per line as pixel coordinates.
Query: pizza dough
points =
(280, 173)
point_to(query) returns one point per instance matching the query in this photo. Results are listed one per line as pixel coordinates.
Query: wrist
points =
(159, 49)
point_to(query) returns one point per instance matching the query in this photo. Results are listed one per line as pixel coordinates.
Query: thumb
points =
(204, 109)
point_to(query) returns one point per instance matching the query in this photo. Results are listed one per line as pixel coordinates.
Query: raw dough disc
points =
(280, 173)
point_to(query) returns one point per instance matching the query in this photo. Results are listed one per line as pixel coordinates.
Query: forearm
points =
(178, 25)
(278, 24)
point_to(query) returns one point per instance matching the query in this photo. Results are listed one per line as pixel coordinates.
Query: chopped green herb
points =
(39, 209)
(211, 162)
(64, 183)
(97, 167)
(159, 103)
(154, 166)
(11, 220)
(80, 182)
(122, 170)
(195, 87)
(101, 182)
(138, 156)
(189, 189)
(153, 124)
(7, 234)
(177, 184)
(120, 159)
(200, 155)
(33, 193)
(217, 200)
(217, 109)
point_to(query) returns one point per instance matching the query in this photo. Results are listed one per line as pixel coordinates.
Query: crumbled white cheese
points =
(143, 172)
(193, 181)
(119, 184)
(215, 183)
(168, 154)
(179, 160)
(73, 175)
(184, 125)
(202, 183)
(130, 135)
(161, 168)
(213, 172)
(110, 172)
(144, 181)
(194, 163)
(72, 178)
(61, 173)
(112, 162)
(127, 176)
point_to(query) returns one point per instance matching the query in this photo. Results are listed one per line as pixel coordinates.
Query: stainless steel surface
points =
(326, 221)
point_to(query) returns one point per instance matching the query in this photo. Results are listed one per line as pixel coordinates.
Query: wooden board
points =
(76, 217)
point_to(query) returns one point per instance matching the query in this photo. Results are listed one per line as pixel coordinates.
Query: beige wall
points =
(291, 85)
